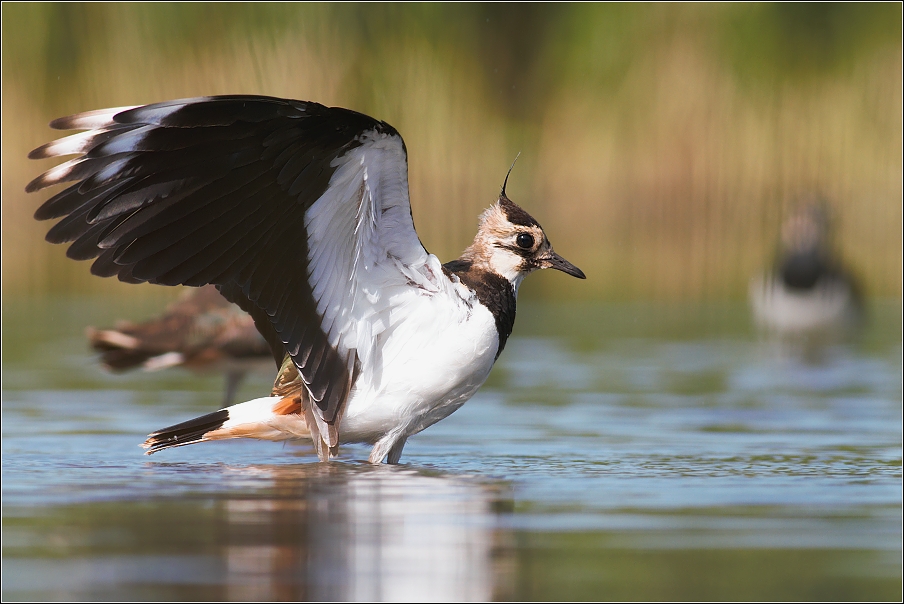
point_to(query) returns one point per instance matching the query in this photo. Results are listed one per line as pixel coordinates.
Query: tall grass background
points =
(661, 145)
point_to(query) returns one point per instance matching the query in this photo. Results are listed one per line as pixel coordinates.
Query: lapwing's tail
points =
(186, 433)
(269, 418)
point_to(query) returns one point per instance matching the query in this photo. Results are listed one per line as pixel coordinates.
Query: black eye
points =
(525, 240)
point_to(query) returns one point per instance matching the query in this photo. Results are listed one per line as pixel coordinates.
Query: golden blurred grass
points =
(656, 159)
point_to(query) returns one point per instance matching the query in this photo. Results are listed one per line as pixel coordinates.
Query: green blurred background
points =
(661, 144)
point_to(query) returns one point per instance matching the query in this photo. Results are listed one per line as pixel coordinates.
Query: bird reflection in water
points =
(347, 533)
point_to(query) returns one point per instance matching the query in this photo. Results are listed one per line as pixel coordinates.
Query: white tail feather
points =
(164, 361)
(256, 419)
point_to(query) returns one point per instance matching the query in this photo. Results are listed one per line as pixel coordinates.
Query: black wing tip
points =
(63, 123)
(40, 152)
(37, 184)
(69, 122)
(186, 433)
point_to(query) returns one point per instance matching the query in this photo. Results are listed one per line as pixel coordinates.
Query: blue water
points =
(689, 458)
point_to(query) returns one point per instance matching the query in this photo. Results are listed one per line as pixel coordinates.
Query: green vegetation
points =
(600, 566)
(661, 144)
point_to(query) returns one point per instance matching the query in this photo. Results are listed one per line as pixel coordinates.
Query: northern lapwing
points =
(200, 331)
(808, 290)
(298, 213)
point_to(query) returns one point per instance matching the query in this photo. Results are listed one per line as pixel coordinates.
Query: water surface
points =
(631, 451)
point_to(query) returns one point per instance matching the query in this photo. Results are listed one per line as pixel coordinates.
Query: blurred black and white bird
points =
(200, 331)
(808, 290)
(298, 213)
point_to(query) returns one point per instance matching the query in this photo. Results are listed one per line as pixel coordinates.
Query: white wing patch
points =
(90, 120)
(363, 249)
(73, 144)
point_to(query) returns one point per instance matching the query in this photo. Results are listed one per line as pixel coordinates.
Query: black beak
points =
(557, 262)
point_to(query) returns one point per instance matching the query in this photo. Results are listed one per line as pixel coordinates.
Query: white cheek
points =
(508, 265)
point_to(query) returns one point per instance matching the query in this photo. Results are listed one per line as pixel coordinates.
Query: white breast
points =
(435, 354)
(829, 304)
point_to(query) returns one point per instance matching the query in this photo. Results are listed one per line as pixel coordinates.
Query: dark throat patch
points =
(493, 291)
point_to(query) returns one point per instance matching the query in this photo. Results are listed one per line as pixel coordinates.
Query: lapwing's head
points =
(511, 243)
(806, 230)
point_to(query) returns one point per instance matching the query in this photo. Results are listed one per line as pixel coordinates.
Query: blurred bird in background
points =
(808, 292)
(200, 331)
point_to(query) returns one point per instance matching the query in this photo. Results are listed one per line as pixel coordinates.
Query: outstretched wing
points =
(298, 212)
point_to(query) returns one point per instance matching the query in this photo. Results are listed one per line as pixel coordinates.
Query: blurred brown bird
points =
(200, 331)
